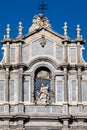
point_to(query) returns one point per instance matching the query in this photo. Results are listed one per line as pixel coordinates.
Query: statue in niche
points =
(43, 95)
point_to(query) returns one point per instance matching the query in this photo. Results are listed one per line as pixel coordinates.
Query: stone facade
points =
(43, 80)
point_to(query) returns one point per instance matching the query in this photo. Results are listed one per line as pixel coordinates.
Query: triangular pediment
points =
(49, 34)
(43, 42)
(41, 26)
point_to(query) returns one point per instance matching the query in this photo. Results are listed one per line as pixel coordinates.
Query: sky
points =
(59, 11)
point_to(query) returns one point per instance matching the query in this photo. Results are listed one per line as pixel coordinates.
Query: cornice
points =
(11, 41)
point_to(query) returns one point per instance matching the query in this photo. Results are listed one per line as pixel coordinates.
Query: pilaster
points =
(65, 71)
(20, 104)
(20, 52)
(53, 88)
(65, 104)
(7, 56)
(65, 52)
(7, 85)
(79, 77)
(78, 52)
(32, 89)
(20, 84)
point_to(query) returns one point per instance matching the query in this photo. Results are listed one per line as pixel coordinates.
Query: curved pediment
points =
(42, 59)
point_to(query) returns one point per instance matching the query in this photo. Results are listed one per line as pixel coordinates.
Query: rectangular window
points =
(26, 90)
(11, 90)
(60, 91)
(72, 91)
(12, 54)
(1, 90)
(84, 90)
(59, 52)
(73, 55)
(25, 53)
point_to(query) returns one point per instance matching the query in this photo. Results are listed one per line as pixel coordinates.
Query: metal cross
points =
(42, 7)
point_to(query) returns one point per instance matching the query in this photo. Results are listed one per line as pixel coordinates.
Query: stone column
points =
(7, 56)
(79, 77)
(7, 85)
(65, 52)
(6, 104)
(20, 52)
(65, 104)
(21, 105)
(65, 84)
(79, 88)
(32, 89)
(78, 52)
(20, 85)
(53, 88)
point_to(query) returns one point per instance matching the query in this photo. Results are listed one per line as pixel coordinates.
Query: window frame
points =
(59, 102)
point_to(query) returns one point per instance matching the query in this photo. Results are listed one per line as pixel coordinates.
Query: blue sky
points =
(72, 11)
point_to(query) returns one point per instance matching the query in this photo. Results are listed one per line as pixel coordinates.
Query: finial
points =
(20, 28)
(78, 30)
(4, 37)
(65, 29)
(8, 31)
(81, 37)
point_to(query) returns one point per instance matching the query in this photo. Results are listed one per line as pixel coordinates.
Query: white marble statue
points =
(38, 22)
(43, 95)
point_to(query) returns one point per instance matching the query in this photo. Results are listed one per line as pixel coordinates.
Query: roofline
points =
(37, 30)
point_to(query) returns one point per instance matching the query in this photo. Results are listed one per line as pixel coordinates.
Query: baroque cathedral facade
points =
(43, 79)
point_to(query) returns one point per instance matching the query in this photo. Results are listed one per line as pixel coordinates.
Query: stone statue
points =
(43, 95)
(38, 22)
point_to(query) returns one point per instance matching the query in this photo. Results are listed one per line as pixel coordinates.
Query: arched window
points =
(42, 85)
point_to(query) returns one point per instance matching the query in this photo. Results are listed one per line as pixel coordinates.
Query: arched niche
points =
(42, 84)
